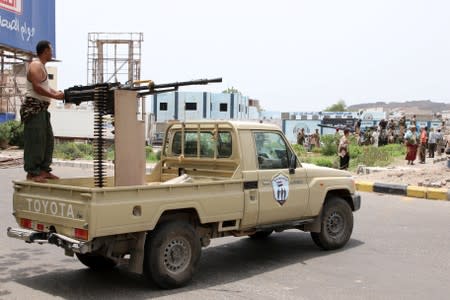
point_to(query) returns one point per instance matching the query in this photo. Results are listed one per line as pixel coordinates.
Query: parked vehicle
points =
(215, 179)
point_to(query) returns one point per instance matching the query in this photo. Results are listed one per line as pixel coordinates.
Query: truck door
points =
(282, 196)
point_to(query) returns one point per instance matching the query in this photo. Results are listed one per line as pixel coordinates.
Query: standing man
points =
(411, 141)
(38, 133)
(402, 125)
(358, 127)
(344, 156)
(439, 142)
(317, 138)
(375, 136)
(423, 145)
(301, 137)
(431, 143)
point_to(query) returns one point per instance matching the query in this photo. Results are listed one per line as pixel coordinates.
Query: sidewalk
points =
(428, 181)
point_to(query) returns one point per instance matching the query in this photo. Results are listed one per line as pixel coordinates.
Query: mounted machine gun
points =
(120, 101)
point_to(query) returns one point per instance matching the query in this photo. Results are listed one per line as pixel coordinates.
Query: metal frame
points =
(107, 60)
(12, 65)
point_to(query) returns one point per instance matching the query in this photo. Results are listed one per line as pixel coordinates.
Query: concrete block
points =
(364, 186)
(437, 194)
(416, 191)
(395, 189)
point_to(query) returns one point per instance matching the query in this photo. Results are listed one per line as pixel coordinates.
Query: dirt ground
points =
(433, 173)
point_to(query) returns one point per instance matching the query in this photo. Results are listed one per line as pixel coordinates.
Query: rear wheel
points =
(336, 225)
(96, 261)
(172, 253)
(260, 235)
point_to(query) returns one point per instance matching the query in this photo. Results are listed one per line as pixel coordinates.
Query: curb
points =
(404, 190)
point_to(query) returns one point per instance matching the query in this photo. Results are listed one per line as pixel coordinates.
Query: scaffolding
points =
(114, 57)
(13, 64)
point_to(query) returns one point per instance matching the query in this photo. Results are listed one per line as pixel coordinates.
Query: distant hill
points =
(407, 107)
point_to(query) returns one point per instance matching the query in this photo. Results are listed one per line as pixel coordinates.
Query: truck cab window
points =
(207, 144)
(271, 150)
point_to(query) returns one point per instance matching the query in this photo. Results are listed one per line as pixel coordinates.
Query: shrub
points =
(395, 150)
(374, 156)
(316, 150)
(67, 151)
(150, 156)
(299, 150)
(355, 150)
(5, 134)
(329, 144)
(324, 161)
(16, 130)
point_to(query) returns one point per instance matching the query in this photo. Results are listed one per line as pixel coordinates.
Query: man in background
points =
(423, 145)
(301, 136)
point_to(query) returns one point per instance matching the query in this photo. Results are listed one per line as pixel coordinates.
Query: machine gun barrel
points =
(78, 94)
(152, 88)
(184, 83)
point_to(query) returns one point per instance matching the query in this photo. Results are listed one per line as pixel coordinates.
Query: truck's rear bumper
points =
(31, 236)
(356, 199)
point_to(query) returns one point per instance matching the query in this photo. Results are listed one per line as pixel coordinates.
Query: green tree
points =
(231, 90)
(339, 106)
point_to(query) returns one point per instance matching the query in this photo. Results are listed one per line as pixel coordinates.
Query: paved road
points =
(400, 249)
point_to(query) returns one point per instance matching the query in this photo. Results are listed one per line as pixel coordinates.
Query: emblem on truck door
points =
(280, 186)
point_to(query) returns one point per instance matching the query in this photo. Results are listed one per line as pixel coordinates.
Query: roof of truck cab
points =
(236, 124)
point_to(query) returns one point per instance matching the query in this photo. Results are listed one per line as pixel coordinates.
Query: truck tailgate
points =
(51, 207)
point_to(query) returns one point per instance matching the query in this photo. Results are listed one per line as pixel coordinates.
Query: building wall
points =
(167, 102)
(199, 105)
(218, 101)
(76, 123)
(190, 105)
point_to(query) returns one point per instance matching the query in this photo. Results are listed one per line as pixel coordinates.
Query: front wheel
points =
(336, 225)
(172, 253)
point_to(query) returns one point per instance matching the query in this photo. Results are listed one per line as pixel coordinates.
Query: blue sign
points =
(23, 23)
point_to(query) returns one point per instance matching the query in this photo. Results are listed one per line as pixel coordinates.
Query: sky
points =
(299, 55)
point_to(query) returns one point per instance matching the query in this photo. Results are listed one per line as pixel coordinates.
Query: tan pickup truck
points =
(215, 179)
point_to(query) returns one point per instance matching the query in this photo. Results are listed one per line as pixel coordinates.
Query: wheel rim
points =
(335, 224)
(177, 255)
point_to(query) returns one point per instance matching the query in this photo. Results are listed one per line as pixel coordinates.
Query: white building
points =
(199, 105)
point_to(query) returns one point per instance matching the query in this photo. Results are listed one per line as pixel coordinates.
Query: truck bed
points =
(65, 204)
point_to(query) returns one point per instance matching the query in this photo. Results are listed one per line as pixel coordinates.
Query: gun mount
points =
(106, 100)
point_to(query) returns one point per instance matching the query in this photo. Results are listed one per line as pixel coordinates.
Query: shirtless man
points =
(38, 133)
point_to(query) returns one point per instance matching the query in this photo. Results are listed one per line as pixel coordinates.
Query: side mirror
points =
(292, 164)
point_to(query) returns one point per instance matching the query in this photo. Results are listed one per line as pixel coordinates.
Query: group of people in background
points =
(431, 140)
(387, 132)
(308, 141)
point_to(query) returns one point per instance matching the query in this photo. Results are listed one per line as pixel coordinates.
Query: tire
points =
(260, 235)
(172, 253)
(96, 261)
(336, 225)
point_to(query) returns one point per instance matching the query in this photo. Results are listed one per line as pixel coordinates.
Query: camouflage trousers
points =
(38, 143)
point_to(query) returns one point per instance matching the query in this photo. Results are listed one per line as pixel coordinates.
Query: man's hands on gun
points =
(59, 95)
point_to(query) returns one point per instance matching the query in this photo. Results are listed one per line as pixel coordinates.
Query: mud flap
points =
(314, 226)
(136, 264)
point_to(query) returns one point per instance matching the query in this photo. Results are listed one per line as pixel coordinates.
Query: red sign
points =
(12, 5)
